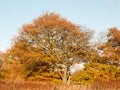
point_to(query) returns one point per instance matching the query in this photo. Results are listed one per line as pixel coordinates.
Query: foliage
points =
(46, 49)
(50, 44)
(111, 48)
(1, 64)
(94, 71)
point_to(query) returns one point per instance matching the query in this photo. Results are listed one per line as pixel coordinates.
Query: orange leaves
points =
(49, 41)
(53, 20)
(111, 48)
(114, 37)
(115, 33)
(29, 29)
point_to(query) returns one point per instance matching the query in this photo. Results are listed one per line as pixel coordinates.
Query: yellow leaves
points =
(51, 58)
(52, 76)
(95, 71)
(13, 70)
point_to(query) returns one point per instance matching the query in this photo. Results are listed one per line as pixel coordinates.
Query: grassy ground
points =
(104, 85)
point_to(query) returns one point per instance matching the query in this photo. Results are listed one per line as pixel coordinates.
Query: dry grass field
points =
(104, 85)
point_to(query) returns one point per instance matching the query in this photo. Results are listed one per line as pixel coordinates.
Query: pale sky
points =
(99, 15)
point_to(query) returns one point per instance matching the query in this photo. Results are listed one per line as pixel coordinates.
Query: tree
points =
(1, 53)
(51, 39)
(111, 48)
(96, 71)
(103, 65)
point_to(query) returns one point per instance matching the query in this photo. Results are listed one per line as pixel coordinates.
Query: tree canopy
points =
(49, 44)
(111, 48)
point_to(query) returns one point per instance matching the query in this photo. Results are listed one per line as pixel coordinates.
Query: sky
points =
(98, 15)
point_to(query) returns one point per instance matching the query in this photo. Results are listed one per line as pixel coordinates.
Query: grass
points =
(29, 85)
(107, 85)
(38, 86)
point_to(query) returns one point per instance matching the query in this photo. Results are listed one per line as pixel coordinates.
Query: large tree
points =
(50, 43)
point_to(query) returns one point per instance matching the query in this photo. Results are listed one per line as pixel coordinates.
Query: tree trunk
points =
(68, 81)
(65, 76)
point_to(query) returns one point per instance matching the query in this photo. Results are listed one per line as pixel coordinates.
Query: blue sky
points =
(98, 15)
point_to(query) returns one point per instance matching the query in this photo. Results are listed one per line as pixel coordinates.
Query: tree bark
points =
(65, 76)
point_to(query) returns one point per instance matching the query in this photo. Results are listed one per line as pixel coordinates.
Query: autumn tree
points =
(1, 63)
(0, 67)
(111, 48)
(103, 65)
(50, 44)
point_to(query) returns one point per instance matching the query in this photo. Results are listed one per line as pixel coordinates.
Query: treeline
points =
(45, 50)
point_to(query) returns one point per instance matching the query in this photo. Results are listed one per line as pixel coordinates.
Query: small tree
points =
(54, 40)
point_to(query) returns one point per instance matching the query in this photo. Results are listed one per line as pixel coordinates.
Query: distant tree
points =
(1, 64)
(105, 63)
(50, 44)
(111, 48)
